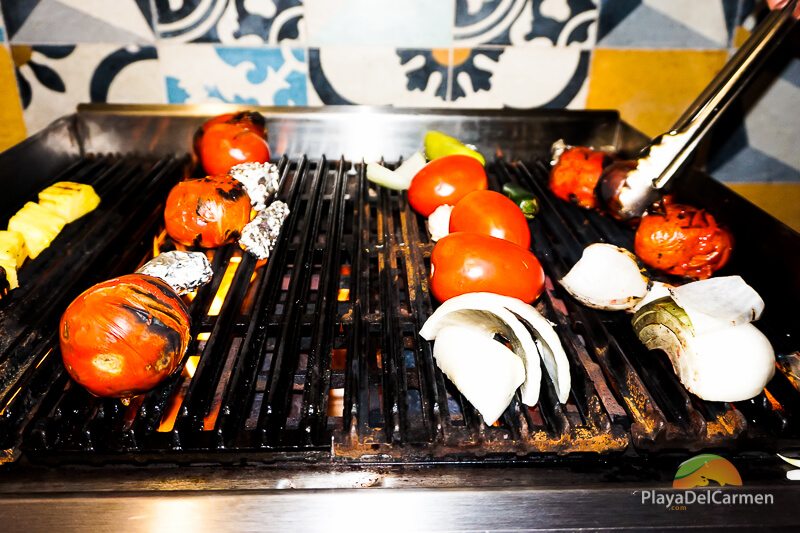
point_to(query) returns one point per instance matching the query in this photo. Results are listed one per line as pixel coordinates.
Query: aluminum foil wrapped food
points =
(260, 180)
(261, 234)
(183, 271)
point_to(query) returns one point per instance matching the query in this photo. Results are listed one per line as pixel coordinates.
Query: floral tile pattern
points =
(646, 58)
(53, 80)
(78, 21)
(519, 22)
(235, 22)
(706, 24)
(411, 23)
(264, 75)
(378, 76)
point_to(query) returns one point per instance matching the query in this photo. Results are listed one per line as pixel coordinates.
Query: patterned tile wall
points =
(647, 58)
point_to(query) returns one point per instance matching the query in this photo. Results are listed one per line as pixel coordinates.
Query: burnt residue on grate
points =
(315, 355)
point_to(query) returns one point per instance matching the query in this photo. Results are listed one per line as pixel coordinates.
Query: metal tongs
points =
(628, 188)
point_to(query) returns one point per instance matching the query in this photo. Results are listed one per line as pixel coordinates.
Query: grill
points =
(314, 356)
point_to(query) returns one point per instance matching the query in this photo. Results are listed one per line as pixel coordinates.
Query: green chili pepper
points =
(525, 199)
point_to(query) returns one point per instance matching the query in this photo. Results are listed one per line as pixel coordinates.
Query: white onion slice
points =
(547, 343)
(399, 179)
(657, 290)
(717, 303)
(409, 168)
(726, 364)
(492, 313)
(380, 175)
(606, 277)
(439, 222)
(486, 372)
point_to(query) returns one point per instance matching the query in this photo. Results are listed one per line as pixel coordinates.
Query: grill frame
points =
(98, 129)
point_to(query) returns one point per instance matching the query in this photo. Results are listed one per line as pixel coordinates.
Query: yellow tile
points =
(12, 127)
(781, 200)
(740, 35)
(650, 88)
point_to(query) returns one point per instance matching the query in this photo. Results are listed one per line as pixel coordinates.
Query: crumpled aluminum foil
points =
(260, 234)
(183, 271)
(260, 180)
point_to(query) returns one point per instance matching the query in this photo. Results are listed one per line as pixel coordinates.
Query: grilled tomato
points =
(575, 175)
(682, 240)
(122, 337)
(228, 140)
(471, 262)
(445, 180)
(207, 212)
(491, 213)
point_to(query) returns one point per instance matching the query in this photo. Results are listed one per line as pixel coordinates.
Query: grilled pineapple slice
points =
(38, 226)
(12, 248)
(69, 199)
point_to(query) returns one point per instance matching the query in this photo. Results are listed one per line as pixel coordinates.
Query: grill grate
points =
(315, 354)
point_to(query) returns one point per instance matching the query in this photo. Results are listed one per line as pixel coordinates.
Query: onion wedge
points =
(727, 364)
(606, 277)
(718, 303)
(399, 179)
(491, 314)
(486, 372)
(439, 222)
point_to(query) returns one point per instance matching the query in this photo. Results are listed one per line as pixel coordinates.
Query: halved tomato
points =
(445, 181)
(491, 213)
(471, 262)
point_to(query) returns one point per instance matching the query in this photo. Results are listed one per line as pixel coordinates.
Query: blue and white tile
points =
(240, 22)
(54, 79)
(706, 24)
(78, 21)
(522, 78)
(385, 76)
(245, 75)
(764, 147)
(385, 23)
(522, 22)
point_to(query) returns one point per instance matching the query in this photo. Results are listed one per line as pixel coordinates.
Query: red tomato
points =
(682, 240)
(491, 213)
(123, 336)
(231, 139)
(445, 180)
(207, 212)
(471, 262)
(575, 175)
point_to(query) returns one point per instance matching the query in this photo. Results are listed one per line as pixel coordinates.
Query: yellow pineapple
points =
(69, 199)
(38, 226)
(12, 248)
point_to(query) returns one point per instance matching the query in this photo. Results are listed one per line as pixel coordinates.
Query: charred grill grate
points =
(315, 354)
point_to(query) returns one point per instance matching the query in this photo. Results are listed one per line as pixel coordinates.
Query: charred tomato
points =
(576, 174)
(122, 337)
(682, 240)
(207, 212)
(228, 140)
